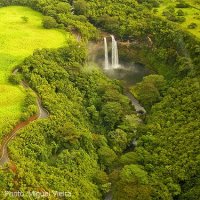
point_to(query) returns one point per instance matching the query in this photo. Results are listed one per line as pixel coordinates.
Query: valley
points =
(111, 91)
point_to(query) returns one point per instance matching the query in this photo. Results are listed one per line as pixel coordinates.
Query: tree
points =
(106, 156)
(192, 25)
(80, 7)
(184, 65)
(182, 4)
(150, 90)
(25, 19)
(15, 79)
(49, 22)
(112, 113)
(117, 140)
(63, 7)
(132, 184)
(180, 13)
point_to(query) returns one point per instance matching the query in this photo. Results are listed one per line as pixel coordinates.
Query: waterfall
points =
(106, 53)
(115, 57)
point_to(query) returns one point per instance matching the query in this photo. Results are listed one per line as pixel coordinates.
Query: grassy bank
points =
(21, 32)
(191, 14)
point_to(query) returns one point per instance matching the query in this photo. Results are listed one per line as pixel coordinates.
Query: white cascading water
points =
(115, 58)
(106, 53)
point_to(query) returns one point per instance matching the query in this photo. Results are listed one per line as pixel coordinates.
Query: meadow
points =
(21, 33)
(191, 14)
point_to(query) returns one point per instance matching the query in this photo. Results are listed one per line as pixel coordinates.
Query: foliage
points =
(172, 120)
(63, 147)
(192, 26)
(91, 122)
(49, 22)
(15, 79)
(132, 184)
(150, 90)
(13, 51)
(25, 19)
(182, 5)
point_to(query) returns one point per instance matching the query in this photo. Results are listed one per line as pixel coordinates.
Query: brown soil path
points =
(43, 113)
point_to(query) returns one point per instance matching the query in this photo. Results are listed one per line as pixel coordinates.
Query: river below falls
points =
(129, 73)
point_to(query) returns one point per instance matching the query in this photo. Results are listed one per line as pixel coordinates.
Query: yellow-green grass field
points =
(18, 39)
(192, 14)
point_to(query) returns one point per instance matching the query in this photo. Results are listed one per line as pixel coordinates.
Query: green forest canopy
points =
(80, 147)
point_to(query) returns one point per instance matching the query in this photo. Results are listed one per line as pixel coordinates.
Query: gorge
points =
(151, 52)
(115, 65)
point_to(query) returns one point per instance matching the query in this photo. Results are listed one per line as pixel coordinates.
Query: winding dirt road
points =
(43, 113)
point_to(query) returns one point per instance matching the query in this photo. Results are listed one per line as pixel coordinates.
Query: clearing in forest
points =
(21, 32)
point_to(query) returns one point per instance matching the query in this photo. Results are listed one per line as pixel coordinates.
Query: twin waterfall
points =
(106, 54)
(115, 58)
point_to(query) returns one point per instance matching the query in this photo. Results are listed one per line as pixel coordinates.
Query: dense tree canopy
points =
(82, 146)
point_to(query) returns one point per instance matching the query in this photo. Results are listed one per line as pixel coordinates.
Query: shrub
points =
(155, 10)
(172, 18)
(180, 19)
(165, 13)
(14, 79)
(80, 7)
(49, 22)
(192, 26)
(155, 4)
(182, 5)
(180, 13)
(25, 19)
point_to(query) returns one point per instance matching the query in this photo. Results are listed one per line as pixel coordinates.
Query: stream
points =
(129, 73)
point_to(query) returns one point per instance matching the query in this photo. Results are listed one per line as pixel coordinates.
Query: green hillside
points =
(183, 14)
(102, 136)
(21, 32)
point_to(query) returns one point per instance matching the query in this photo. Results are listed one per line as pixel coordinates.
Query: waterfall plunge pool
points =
(105, 55)
(129, 72)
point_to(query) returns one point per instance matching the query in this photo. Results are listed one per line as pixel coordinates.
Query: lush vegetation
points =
(83, 145)
(59, 14)
(17, 23)
(183, 12)
(90, 123)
